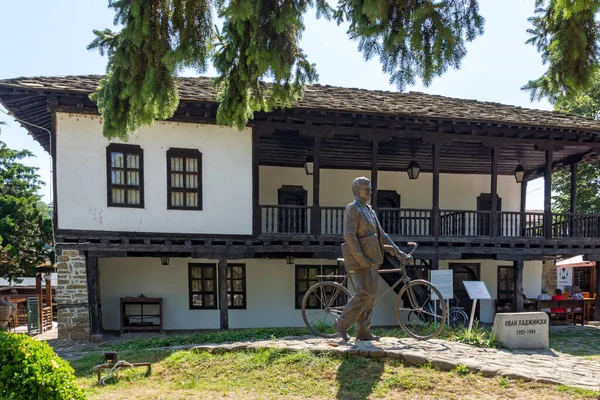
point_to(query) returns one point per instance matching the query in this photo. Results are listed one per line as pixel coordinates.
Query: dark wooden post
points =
(494, 226)
(91, 266)
(523, 208)
(224, 307)
(256, 211)
(374, 165)
(548, 196)
(573, 201)
(597, 288)
(435, 211)
(316, 220)
(38, 293)
(519, 284)
(49, 295)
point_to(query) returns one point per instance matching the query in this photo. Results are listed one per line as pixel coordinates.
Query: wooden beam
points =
(548, 196)
(523, 207)
(49, 295)
(573, 200)
(223, 306)
(435, 212)
(374, 165)
(38, 293)
(256, 211)
(494, 193)
(316, 186)
(91, 266)
(518, 264)
(597, 288)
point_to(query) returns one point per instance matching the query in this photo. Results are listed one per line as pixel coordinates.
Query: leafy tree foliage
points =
(588, 175)
(25, 225)
(260, 42)
(566, 33)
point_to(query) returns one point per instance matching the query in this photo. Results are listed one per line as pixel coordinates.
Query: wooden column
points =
(38, 293)
(374, 165)
(256, 211)
(49, 294)
(494, 220)
(548, 195)
(597, 288)
(519, 284)
(91, 269)
(573, 201)
(316, 220)
(223, 306)
(523, 207)
(435, 211)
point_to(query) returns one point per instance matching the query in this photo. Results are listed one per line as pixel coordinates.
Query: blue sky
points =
(49, 38)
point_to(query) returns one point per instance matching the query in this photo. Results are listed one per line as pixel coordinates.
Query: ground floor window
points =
(506, 282)
(306, 276)
(202, 286)
(236, 286)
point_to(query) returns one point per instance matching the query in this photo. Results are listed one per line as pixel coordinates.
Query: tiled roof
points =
(331, 98)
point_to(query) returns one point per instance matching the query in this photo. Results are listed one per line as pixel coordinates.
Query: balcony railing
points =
(296, 220)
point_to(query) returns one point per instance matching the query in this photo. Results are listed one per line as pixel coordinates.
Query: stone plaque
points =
(527, 330)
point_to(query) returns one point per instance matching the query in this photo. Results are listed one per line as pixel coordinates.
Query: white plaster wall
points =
(457, 192)
(270, 291)
(226, 178)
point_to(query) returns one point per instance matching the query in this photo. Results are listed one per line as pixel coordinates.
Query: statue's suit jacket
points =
(364, 238)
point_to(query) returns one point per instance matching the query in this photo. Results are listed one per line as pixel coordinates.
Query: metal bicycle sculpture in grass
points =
(420, 309)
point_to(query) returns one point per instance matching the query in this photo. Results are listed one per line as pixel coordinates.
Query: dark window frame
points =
(508, 294)
(230, 291)
(203, 292)
(125, 149)
(321, 270)
(184, 153)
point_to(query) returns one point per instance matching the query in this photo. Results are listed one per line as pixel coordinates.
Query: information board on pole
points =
(442, 280)
(477, 290)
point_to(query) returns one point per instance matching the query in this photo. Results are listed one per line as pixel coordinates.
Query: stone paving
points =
(528, 365)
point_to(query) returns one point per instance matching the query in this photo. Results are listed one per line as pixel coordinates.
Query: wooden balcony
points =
(420, 223)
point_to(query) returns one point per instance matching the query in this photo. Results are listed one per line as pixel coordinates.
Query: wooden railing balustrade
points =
(419, 222)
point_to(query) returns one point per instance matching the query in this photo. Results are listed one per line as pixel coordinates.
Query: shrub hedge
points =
(29, 369)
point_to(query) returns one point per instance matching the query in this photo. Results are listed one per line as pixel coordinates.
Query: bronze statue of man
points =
(362, 250)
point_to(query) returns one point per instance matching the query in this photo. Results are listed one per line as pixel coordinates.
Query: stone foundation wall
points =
(72, 296)
(549, 275)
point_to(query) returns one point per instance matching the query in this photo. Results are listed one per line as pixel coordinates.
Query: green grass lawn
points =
(273, 374)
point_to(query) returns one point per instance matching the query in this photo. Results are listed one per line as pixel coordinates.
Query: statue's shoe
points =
(342, 332)
(367, 336)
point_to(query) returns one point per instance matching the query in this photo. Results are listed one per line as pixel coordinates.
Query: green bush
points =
(29, 369)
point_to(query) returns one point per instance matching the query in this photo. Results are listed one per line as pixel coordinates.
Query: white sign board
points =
(564, 278)
(442, 280)
(477, 290)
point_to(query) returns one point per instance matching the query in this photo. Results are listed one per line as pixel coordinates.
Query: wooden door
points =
(292, 219)
(461, 273)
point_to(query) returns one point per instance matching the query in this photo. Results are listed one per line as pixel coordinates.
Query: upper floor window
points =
(184, 179)
(125, 175)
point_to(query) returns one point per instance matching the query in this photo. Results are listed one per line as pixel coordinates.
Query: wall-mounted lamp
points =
(519, 173)
(309, 165)
(289, 260)
(413, 170)
(164, 260)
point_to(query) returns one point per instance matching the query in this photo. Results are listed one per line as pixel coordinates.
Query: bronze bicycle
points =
(420, 308)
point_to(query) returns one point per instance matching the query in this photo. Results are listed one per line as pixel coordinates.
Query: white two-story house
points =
(190, 225)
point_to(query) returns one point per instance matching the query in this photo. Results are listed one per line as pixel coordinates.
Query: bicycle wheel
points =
(321, 305)
(458, 318)
(416, 313)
